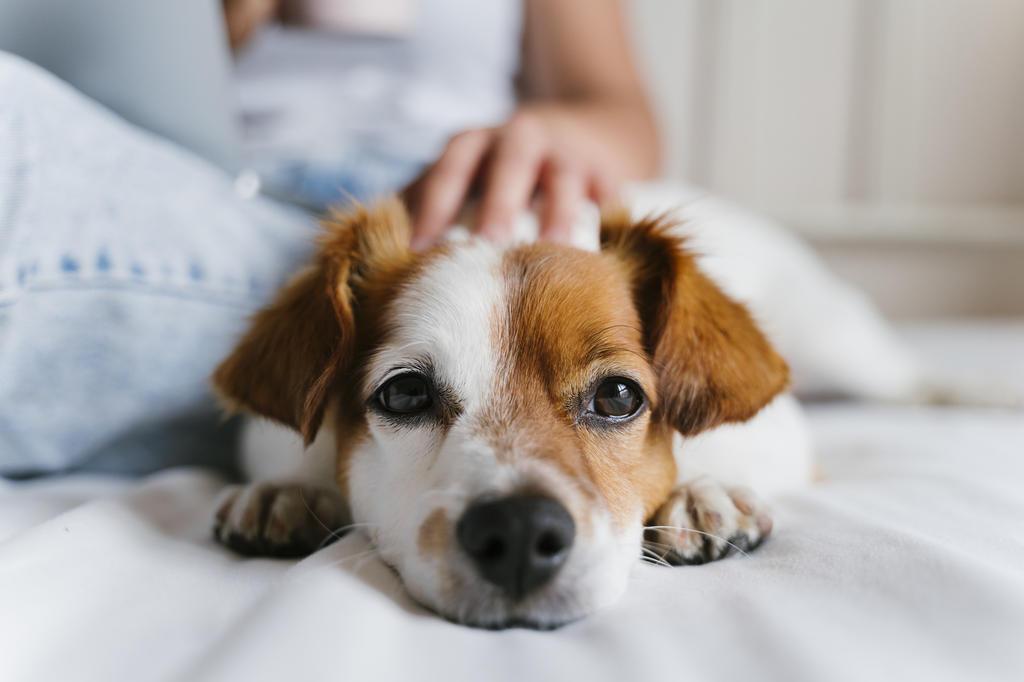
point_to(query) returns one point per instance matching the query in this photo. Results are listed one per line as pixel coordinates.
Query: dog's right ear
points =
(714, 365)
(286, 364)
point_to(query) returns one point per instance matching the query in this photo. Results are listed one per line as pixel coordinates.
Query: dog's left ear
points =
(298, 347)
(712, 362)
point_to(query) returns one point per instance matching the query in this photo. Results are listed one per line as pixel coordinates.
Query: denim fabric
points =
(365, 173)
(127, 270)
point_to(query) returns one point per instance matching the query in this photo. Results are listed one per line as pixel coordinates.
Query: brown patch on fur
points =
(308, 348)
(435, 535)
(434, 541)
(640, 309)
(301, 349)
(350, 430)
(558, 340)
(282, 366)
(714, 365)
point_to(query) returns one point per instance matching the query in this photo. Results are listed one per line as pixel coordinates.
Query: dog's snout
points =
(517, 543)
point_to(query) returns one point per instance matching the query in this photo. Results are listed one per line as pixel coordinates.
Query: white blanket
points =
(906, 563)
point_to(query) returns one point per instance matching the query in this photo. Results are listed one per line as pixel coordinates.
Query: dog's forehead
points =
(445, 315)
(474, 304)
(569, 306)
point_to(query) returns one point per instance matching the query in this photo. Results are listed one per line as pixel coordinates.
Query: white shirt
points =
(320, 94)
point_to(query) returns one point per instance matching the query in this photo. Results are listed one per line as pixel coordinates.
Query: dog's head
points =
(504, 417)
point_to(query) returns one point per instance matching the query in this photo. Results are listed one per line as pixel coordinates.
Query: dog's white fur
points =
(399, 476)
(834, 340)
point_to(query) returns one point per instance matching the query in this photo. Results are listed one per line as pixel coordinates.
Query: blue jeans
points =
(127, 270)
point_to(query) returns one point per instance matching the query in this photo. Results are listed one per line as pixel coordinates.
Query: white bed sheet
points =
(906, 563)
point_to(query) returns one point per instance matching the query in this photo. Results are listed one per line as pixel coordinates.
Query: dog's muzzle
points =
(517, 543)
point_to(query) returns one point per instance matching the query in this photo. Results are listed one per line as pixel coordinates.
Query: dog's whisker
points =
(352, 557)
(652, 557)
(305, 567)
(340, 531)
(331, 534)
(302, 496)
(362, 560)
(700, 532)
(665, 551)
(350, 526)
(661, 552)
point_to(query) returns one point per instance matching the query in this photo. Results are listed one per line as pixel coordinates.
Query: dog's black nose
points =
(518, 543)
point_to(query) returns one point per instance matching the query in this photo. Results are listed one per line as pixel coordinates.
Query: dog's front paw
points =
(266, 519)
(702, 521)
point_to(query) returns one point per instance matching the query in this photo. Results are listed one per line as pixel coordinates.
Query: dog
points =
(510, 426)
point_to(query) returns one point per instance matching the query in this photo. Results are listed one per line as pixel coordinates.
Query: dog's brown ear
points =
(712, 362)
(296, 348)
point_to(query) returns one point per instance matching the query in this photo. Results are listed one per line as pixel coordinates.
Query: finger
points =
(511, 178)
(563, 185)
(444, 187)
(603, 189)
(413, 192)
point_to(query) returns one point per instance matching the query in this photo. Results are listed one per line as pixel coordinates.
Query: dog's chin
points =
(513, 623)
(502, 614)
(480, 605)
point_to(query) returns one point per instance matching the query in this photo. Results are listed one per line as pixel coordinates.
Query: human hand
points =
(554, 151)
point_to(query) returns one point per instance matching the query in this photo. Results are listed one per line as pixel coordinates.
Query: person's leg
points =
(127, 268)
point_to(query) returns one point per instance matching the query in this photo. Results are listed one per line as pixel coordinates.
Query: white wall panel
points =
(804, 102)
(670, 40)
(781, 117)
(948, 103)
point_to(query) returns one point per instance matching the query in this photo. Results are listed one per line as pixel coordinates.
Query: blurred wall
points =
(862, 123)
(830, 101)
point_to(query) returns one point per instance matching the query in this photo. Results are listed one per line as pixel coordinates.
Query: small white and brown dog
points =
(511, 427)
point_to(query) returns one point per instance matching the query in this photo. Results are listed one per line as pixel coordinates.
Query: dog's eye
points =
(617, 398)
(405, 394)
